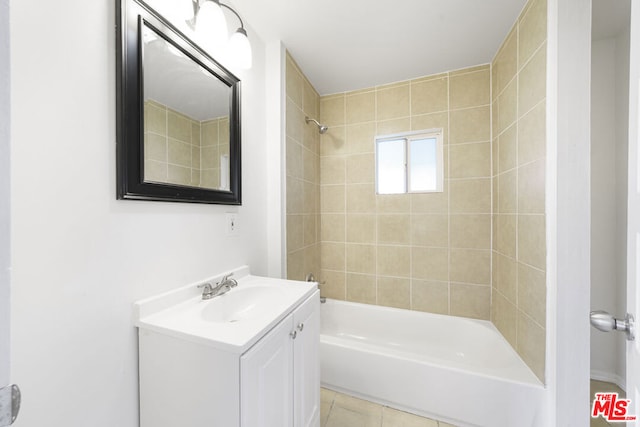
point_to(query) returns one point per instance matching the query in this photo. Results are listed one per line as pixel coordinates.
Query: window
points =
(409, 163)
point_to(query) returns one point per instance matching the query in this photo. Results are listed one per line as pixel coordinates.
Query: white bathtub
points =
(450, 368)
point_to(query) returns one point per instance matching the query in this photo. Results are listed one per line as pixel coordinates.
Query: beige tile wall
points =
(303, 175)
(477, 249)
(181, 150)
(428, 252)
(518, 307)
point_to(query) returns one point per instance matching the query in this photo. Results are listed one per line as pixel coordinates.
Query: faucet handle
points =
(226, 279)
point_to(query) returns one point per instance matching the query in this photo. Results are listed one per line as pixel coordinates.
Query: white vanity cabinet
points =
(280, 375)
(260, 370)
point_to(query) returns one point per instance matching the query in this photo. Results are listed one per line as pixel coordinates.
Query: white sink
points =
(233, 321)
(241, 304)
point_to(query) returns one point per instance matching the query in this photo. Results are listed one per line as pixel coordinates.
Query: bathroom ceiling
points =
(346, 45)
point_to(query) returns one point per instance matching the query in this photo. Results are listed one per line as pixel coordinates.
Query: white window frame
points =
(408, 137)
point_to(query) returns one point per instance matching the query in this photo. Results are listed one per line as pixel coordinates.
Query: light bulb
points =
(240, 49)
(211, 26)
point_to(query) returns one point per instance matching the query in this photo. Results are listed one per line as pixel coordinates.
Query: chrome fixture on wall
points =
(210, 26)
(321, 128)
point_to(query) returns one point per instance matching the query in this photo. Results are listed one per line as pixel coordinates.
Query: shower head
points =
(321, 128)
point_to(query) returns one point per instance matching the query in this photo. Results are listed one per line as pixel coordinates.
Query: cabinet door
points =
(306, 363)
(266, 383)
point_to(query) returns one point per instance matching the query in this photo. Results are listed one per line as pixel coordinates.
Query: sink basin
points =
(231, 322)
(241, 303)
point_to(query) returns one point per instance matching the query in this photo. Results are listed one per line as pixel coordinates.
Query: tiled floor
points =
(341, 410)
(599, 387)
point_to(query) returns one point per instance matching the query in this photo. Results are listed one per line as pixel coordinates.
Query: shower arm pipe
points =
(309, 119)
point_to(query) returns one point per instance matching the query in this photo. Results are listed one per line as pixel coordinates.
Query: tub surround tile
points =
(531, 135)
(332, 110)
(393, 261)
(392, 102)
(519, 293)
(429, 96)
(389, 127)
(332, 169)
(532, 292)
(470, 231)
(431, 202)
(470, 89)
(508, 106)
(333, 284)
(394, 292)
(361, 107)
(533, 29)
(430, 230)
(507, 195)
(532, 81)
(531, 188)
(393, 203)
(332, 228)
(506, 276)
(505, 64)
(361, 288)
(334, 141)
(361, 198)
(430, 296)
(470, 266)
(332, 198)
(361, 228)
(360, 138)
(531, 240)
(470, 196)
(360, 168)
(470, 125)
(504, 316)
(471, 301)
(531, 344)
(470, 160)
(361, 258)
(394, 229)
(432, 121)
(430, 263)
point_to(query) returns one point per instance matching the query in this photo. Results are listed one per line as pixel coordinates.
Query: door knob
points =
(605, 322)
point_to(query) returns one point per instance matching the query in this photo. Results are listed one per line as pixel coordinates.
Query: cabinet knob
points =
(293, 334)
(301, 327)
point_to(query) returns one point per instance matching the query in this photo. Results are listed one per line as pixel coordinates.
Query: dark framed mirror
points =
(178, 115)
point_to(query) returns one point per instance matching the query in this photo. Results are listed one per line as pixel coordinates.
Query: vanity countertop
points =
(231, 322)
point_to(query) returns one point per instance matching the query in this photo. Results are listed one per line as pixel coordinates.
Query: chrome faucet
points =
(222, 287)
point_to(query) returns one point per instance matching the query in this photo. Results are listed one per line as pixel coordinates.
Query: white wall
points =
(609, 115)
(81, 257)
(5, 259)
(568, 212)
(622, 163)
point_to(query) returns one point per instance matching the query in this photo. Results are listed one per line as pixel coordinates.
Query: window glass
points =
(423, 167)
(409, 163)
(391, 166)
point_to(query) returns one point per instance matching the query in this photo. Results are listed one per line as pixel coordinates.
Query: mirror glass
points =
(186, 118)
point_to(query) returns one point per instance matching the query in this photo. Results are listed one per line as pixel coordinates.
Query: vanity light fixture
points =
(211, 30)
